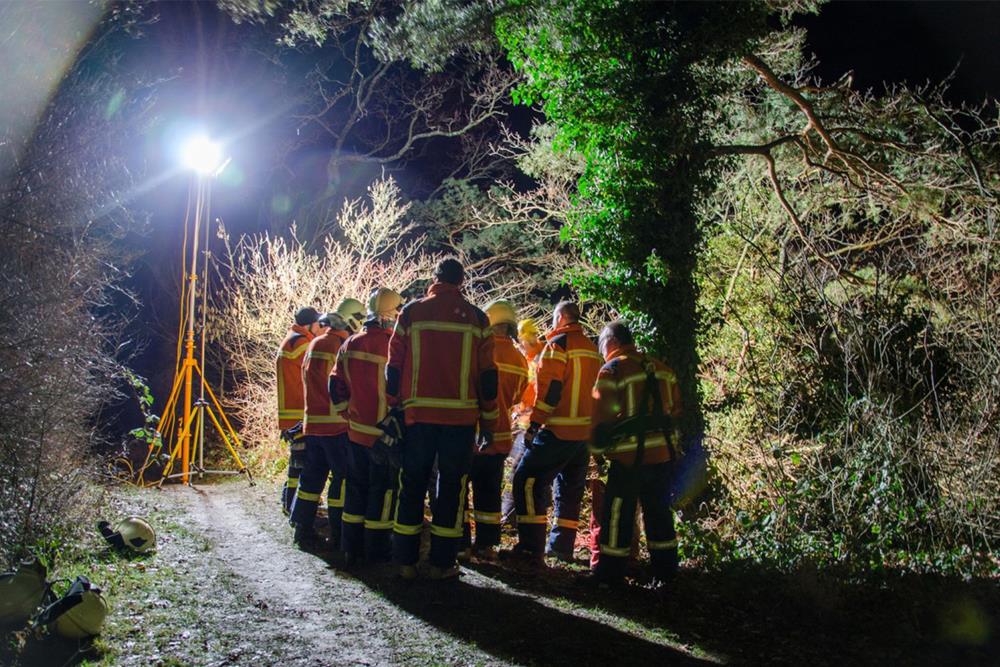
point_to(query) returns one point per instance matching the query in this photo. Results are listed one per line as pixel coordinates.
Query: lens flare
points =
(202, 155)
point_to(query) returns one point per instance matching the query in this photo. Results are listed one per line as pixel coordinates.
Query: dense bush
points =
(849, 357)
(62, 219)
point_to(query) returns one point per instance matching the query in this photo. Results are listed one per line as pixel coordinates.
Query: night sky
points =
(911, 42)
(214, 74)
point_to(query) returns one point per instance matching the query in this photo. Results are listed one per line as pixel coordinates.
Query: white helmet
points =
(78, 614)
(132, 533)
(353, 312)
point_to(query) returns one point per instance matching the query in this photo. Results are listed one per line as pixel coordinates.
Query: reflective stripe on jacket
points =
(323, 417)
(512, 369)
(360, 379)
(567, 370)
(617, 393)
(441, 353)
(288, 365)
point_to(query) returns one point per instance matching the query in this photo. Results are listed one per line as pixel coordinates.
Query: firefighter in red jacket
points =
(556, 439)
(486, 475)
(441, 367)
(291, 400)
(359, 379)
(325, 429)
(636, 474)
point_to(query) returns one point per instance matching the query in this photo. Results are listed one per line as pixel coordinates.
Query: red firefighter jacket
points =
(567, 370)
(288, 365)
(512, 369)
(323, 417)
(359, 378)
(617, 394)
(441, 361)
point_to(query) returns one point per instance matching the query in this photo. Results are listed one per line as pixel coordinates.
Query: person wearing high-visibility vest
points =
(635, 474)
(486, 475)
(325, 429)
(530, 344)
(441, 367)
(291, 399)
(556, 440)
(359, 379)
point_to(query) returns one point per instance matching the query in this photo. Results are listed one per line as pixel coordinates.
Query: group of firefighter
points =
(390, 404)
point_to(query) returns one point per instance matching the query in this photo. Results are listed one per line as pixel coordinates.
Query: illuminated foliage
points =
(633, 87)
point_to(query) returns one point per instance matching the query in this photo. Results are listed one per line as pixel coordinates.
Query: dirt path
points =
(322, 615)
(335, 619)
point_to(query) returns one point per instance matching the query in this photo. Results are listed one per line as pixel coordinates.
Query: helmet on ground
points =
(22, 592)
(132, 533)
(501, 312)
(385, 304)
(78, 614)
(527, 329)
(353, 312)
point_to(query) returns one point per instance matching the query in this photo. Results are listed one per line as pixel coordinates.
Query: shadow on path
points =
(750, 615)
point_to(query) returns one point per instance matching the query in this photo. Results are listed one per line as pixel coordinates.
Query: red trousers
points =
(597, 489)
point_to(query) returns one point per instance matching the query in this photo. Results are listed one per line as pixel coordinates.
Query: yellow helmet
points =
(501, 312)
(385, 303)
(353, 312)
(527, 329)
(21, 592)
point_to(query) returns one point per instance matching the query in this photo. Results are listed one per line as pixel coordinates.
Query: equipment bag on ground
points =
(22, 592)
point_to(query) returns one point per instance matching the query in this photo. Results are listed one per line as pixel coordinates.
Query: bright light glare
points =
(202, 155)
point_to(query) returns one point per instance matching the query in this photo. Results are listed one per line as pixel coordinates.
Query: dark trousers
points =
(369, 506)
(324, 456)
(452, 445)
(568, 496)
(296, 456)
(628, 485)
(486, 478)
(546, 459)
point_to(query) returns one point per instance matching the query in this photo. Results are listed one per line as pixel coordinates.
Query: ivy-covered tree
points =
(634, 87)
